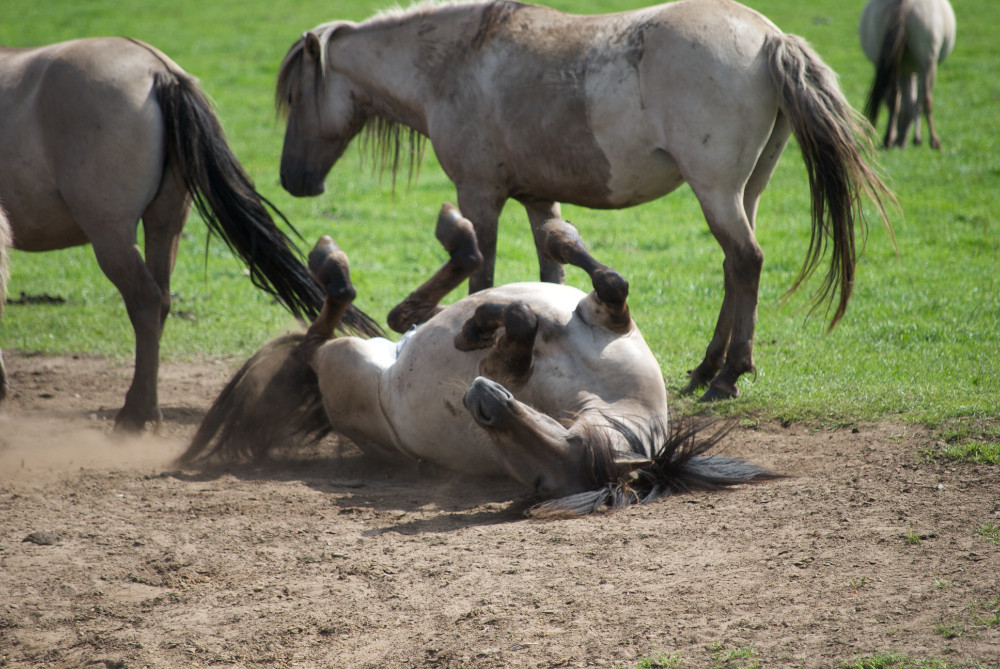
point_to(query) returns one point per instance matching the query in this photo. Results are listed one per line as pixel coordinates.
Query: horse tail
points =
(890, 56)
(834, 140)
(273, 399)
(678, 465)
(6, 241)
(225, 197)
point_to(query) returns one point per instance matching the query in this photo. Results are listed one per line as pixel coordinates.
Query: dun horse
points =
(98, 133)
(559, 389)
(526, 102)
(906, 40)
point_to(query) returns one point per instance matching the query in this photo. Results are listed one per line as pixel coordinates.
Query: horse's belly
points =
(42, 224)
(422, 393)
(640, 176)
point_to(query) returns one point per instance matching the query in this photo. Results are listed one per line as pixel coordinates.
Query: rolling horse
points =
(96, 134)
(525, 102)
(906, 40)
(540, 382)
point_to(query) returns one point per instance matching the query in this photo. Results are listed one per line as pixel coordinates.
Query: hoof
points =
(128, 423)
(719, 391)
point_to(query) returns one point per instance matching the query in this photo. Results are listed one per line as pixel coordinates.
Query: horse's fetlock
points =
(468, 262)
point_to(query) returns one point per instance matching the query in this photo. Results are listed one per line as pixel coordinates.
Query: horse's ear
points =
(314, 48)
(625, 466)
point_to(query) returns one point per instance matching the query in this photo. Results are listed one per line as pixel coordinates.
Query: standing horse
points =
(906, 40)
(98, 133)
(559, 389)
(525, 102)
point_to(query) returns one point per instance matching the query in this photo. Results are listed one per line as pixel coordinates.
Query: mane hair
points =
(388, 142)
(679, 465)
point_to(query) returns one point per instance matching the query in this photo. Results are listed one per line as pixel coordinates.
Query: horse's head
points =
(321, 108)
(539, 451)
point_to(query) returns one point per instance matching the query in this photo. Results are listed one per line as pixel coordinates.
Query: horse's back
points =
(610, 84)
(575, 366)
(53, 160)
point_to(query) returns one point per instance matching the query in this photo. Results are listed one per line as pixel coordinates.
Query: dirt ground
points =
(330, 559)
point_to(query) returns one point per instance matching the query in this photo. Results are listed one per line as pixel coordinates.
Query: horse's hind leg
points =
(124, 266)
(330, 268)
(925, 98)
(560, 242)
(458, 237)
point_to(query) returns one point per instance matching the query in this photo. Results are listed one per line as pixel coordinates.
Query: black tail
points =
(679, 465)
(225, 197)
(272, 400)
(889, 58)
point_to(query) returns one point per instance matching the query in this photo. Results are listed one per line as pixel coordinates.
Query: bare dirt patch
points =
(331, 559)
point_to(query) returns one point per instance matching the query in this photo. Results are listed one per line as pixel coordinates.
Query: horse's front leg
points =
(458, 237)
(511, 356)
(540, 212)
(483, 210)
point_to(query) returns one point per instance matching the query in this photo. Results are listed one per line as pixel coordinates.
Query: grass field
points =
(921, 339)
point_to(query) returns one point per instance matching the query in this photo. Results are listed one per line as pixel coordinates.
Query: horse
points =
(906, 40)
(139, 140)
(540, 382)
(525, 102)
(5, 243)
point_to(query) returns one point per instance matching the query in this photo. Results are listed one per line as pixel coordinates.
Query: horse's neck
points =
(398, 65)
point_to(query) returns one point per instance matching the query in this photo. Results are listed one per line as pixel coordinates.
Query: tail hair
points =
(679, 465)
(271, 401)
(835, 141)
(890, 56)
(227, 200)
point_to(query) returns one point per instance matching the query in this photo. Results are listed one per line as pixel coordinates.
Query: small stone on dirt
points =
(42, 538)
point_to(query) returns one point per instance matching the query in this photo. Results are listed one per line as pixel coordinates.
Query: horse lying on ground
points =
(906, 40)
(526, 102)
(98, 133)
(538, 381)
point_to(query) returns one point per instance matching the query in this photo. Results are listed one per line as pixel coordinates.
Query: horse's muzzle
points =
(303, 185)
(488, 402)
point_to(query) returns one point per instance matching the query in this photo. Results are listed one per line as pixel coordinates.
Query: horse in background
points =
(5, 243)
(96, 134)
(540, 382)
(526, 102)
(906, 40)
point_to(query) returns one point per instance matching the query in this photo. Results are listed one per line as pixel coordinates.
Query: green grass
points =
(920, 341)
(892, 660)
(968, 444)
